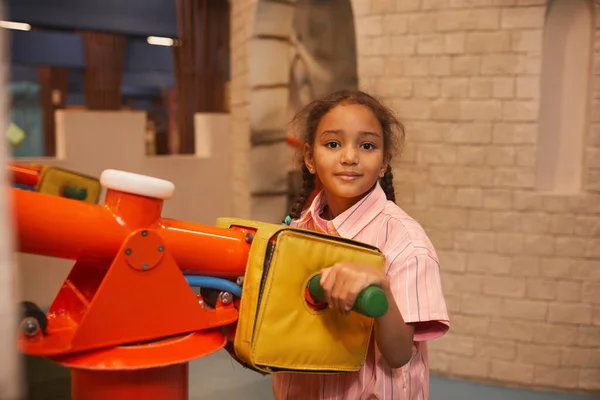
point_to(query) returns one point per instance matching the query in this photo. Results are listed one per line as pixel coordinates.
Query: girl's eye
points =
(368, 146)
(332, 145)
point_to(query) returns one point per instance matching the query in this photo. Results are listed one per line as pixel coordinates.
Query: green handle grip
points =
(371, 301)
(71, 192)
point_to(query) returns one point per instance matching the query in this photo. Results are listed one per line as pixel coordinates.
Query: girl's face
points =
(347, 154)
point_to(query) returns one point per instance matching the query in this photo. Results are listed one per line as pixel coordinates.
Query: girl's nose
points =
(350, 156)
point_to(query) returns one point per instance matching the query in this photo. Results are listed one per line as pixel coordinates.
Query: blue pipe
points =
(214, 283)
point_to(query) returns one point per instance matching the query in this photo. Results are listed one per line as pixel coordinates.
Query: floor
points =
(219, 377)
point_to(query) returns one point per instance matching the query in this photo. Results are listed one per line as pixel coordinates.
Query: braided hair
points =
(305, 124)
(308, 185)
(387, 184)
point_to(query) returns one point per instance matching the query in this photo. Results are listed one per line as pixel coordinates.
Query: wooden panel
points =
(200, 63)
(104, 57)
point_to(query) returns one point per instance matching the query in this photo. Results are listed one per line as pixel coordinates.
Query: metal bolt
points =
(144, 266)
(30, 326)
(144, 233)
(249, 237)
(226, 297)
(239, 280)
(161, 248)
(128, 251)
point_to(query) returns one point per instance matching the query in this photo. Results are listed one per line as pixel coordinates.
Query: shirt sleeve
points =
(416, 286)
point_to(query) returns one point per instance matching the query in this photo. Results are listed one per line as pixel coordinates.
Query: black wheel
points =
(32, 319)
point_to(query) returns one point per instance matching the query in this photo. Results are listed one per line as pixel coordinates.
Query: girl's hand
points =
(344, 281)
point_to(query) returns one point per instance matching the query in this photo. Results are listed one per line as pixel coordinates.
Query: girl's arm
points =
(342, 283)
(393, 336)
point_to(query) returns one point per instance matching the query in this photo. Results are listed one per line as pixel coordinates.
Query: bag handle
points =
(371, 301)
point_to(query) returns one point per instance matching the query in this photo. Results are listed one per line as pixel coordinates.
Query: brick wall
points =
(521, 269)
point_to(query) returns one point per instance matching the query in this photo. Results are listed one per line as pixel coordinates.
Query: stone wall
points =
(242, 26)
(270, 59)
(292, 54)
(521, 267)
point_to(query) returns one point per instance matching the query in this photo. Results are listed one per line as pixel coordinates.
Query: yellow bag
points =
(277, 330)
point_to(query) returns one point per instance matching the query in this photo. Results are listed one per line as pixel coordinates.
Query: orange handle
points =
(24, 175)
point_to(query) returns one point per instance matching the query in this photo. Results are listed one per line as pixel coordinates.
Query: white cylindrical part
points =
(141, 185)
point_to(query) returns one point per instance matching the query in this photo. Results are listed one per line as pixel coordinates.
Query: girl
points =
(349, 142)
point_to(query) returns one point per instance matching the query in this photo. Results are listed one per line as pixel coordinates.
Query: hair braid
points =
(308, 185)
(387, 184)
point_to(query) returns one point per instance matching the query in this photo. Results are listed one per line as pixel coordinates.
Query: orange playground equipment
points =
(126, 320)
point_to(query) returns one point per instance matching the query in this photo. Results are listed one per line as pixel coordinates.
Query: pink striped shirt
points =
(413, 268)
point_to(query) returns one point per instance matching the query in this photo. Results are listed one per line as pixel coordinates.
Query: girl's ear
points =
(308, 158)
(384, 167)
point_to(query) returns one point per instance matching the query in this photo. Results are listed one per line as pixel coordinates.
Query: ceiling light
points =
(19, 26)
(161, 41)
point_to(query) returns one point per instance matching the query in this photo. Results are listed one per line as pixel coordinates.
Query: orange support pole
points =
(161, 383)
(133, 372)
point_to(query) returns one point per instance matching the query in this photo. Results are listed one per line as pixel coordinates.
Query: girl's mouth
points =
(348, 176)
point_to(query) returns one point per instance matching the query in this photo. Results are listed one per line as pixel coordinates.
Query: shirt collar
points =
(349, 223)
